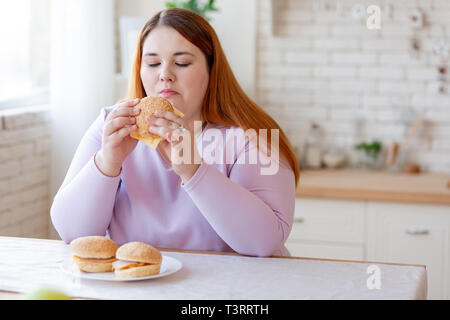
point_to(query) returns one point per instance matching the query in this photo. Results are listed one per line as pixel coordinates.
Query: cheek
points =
(197, 81)
(148, 80)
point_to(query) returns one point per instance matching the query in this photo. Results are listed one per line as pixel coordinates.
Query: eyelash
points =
(178, 64)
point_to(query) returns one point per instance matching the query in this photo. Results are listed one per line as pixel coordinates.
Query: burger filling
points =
(123, 265)
(92, 260)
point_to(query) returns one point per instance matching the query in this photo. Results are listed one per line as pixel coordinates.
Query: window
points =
(24, 52)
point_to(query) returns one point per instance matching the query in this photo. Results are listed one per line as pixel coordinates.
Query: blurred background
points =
(360, 87)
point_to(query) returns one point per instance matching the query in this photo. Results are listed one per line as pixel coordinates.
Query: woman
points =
(118, 186)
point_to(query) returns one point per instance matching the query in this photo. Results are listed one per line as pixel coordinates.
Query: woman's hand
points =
(183, 150)
(117, 143)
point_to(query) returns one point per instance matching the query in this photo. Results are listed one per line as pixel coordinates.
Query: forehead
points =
(166, 40)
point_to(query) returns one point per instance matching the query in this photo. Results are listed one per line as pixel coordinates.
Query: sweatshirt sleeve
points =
(251, 211)
(84, 203)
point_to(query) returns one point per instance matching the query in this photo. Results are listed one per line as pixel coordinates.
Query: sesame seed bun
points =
(148, 106)
(139, 252)
(94, 253)
(137, 259)
(94, 247)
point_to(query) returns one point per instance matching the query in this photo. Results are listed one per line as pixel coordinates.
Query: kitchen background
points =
(321, 68)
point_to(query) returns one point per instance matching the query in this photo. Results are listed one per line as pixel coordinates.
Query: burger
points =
(137, 259)
(148, 106)
(94, 253)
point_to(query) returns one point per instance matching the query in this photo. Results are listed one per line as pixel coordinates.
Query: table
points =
(28, 263)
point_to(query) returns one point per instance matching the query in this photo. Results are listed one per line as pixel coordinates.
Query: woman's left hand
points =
(183, 150)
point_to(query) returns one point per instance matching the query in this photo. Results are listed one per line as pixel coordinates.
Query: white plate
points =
(169, 265)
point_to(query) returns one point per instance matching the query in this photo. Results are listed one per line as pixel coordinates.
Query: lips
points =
(168, 93)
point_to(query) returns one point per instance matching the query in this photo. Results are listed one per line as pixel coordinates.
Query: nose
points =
(166, 74)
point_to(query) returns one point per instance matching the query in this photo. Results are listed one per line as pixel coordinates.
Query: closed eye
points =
(183, 65)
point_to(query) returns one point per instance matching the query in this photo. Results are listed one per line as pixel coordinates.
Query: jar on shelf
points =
(313, 148)
(334, 158)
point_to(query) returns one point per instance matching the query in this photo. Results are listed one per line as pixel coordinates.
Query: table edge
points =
(241, 255)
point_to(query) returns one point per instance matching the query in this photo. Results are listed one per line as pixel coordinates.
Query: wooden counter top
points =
(431, 188)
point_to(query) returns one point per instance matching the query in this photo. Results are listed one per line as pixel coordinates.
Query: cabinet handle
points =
(417, 230)
(299, 220)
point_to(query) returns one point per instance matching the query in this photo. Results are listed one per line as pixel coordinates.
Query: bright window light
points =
(23, 56)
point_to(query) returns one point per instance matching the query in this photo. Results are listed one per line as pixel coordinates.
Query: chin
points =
(176, 101)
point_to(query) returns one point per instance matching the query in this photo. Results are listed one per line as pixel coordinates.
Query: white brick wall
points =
(24, 172)
(327, 67)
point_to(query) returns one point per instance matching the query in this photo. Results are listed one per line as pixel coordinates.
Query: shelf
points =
(430, 188)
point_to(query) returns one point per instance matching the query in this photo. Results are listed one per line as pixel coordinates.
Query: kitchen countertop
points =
(428, 188)
(28, 263)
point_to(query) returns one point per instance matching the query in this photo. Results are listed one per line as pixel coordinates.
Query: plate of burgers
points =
(100, 258)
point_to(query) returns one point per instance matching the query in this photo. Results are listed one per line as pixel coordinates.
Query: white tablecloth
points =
(28, 263)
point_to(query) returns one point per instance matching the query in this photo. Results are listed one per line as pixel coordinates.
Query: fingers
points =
(122, 116)
(164, 124)
(161, 122)
(169, 116)
(129, 103)
(117, 124)
(121, 134)
(124, 109)
(163, 132)
(171, 135)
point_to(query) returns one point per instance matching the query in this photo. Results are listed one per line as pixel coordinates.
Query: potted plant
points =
(193, 5)
(370, 152)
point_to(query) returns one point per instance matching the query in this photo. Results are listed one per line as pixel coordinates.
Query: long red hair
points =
(225, 102)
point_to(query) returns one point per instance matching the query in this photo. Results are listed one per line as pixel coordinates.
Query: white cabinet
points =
(328, 229)
(376, 231)
(411, 234)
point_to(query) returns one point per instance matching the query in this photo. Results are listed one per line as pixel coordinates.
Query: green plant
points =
(194, 6)
(371, 149)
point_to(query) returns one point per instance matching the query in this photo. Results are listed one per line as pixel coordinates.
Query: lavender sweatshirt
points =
(225, 206)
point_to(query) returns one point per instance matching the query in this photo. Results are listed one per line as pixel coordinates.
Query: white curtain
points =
(82, 74)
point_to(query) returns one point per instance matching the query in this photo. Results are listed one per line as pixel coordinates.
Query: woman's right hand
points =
(117, 143)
